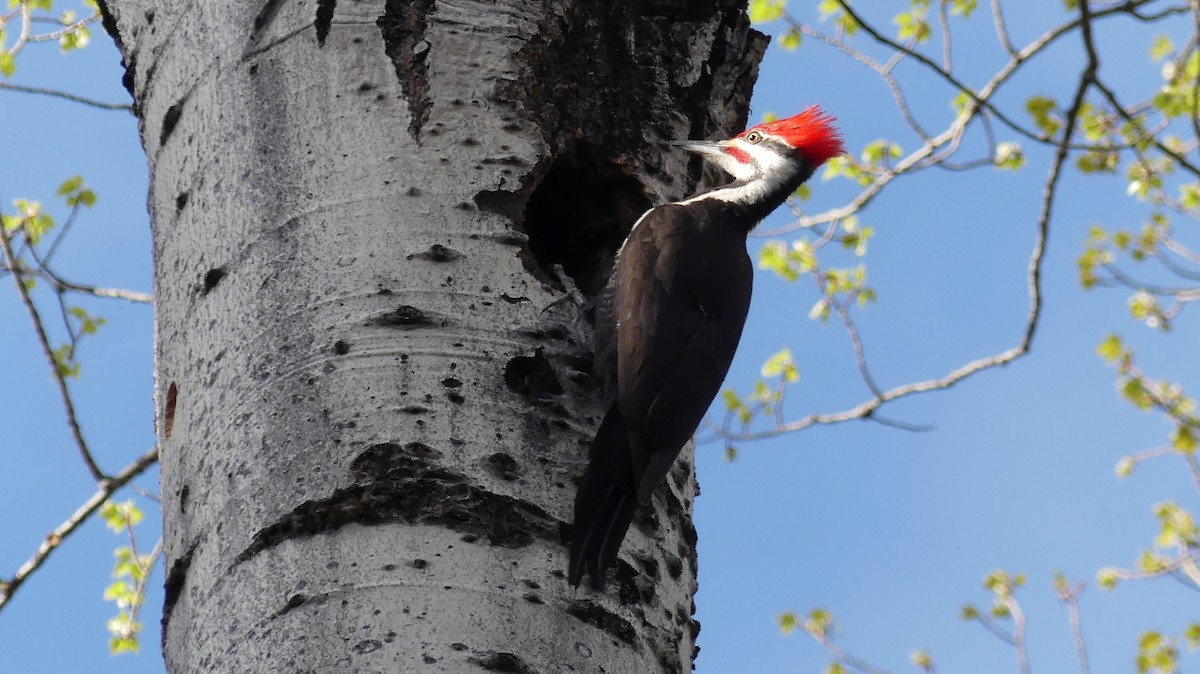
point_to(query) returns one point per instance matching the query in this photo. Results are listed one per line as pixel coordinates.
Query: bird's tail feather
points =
(605, 504)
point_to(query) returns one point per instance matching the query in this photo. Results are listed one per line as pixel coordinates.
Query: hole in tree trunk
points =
(580, 213)
(169, 411)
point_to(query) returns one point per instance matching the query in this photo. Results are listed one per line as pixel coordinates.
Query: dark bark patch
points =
(405, 484)
(502, 662)
(503, 466)
(500, 202)
(597, 616)
(341, 347)
(669, 661)
(509, 299)
(266, 15)
(109, 23)
(324, 19)
(181, 201)
(367, 646)
(404, 317)
(212, 278)
(532, 377)
(128, 79)
(378, 461)
(646, 519)
(294, 602)
(436, 253)
(176, 577)
(403, 27)
(647, 564)
(674, 565)
(553, 332)
(170, 119)
(633, 587)
(506, 160)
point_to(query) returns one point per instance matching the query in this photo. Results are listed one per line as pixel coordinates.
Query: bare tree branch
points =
(55, 538)
(1020, 57)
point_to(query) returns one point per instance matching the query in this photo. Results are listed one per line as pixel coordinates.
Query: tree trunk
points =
(369, 220)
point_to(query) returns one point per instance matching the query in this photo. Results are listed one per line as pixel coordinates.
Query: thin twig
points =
(1001, 29)
(56, 34)
(1070, 595)
(944, 23)
(61, 235)
(1193, 468)
(62, 285)
(48, 351)
(62, 531)
(1018, 634)
(856, 340)
(66, 96)
(846, 658)
(1121, 278)
(991, 626)
(1182, 251)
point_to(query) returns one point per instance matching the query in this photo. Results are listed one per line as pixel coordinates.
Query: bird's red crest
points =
(811, 132)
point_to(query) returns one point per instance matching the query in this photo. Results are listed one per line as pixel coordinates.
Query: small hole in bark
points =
(169, 411)
(169, 121)
(532, 377)
(212, 278)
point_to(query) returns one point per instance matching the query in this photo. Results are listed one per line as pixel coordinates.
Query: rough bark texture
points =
(372, 364)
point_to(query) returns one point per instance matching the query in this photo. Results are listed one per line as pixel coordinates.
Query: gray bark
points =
(372, 367)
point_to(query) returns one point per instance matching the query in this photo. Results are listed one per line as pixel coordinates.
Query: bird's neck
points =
(752, 199)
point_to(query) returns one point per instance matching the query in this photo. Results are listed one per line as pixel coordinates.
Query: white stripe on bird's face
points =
(753, 180)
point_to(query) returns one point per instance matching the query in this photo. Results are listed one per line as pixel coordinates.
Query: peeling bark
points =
(376, 229)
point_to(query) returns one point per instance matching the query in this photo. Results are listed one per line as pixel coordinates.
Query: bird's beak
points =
(703, 147)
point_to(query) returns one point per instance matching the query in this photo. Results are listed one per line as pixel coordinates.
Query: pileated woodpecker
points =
(671, 319)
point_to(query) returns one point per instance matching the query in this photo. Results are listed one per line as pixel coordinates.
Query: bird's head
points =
(778, 150)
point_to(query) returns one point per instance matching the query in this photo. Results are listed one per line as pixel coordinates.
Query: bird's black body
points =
(665, 337)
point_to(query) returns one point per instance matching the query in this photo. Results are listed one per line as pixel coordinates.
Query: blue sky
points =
(892, 531)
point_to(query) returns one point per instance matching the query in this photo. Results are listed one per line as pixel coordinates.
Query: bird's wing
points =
(677, 330)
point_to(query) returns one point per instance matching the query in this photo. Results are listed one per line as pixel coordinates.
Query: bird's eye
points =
(753, 137)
